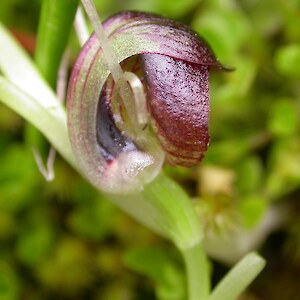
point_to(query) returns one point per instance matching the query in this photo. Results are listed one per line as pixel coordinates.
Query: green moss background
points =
(61, 240)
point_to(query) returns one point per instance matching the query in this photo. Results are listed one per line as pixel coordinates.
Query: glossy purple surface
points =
(111, 140)
(178, 98)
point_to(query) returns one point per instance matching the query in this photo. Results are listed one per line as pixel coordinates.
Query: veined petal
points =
(159, 35)
(175, 63)
(178, 98)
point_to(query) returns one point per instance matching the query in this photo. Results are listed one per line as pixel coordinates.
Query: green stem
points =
(197, 269)
(54, 27)
(164, 207)
(55, 24)
(108, 51)
(238, 278)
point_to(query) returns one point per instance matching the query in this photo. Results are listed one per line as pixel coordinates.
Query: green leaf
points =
(93, 219)
(238, 83)
(228, 151)
(158, 265)
(224, 30)
(35, 242)
(18, 68)
(252, 208)
(5, 10)
(249, 175)
(50, 120)
(8, 224)
(177, 8)
(287, 60)
(9, 283)
(17, 178)
(145, 5)
(23, 89)
(69, 268)
(283, 167)
(283, 118)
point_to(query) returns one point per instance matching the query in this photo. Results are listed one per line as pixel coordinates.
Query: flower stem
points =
(197, 269)
(238, 278)
(110, 57)
(80, 27)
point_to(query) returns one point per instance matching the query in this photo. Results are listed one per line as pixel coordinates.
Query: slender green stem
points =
(198, 274)
(238, 278)
(55, 23)
(54, 27)
(165, 207)
(80, 27)
(108, 51)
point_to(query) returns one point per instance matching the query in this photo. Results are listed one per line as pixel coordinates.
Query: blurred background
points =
(62, 240)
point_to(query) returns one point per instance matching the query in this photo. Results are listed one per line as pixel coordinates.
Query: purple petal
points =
(171, 38)
(178, 98)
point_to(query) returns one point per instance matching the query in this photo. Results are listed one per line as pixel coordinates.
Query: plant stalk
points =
(238, 278)
(198, 273)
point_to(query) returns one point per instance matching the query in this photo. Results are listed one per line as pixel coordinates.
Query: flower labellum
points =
(171, 65)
